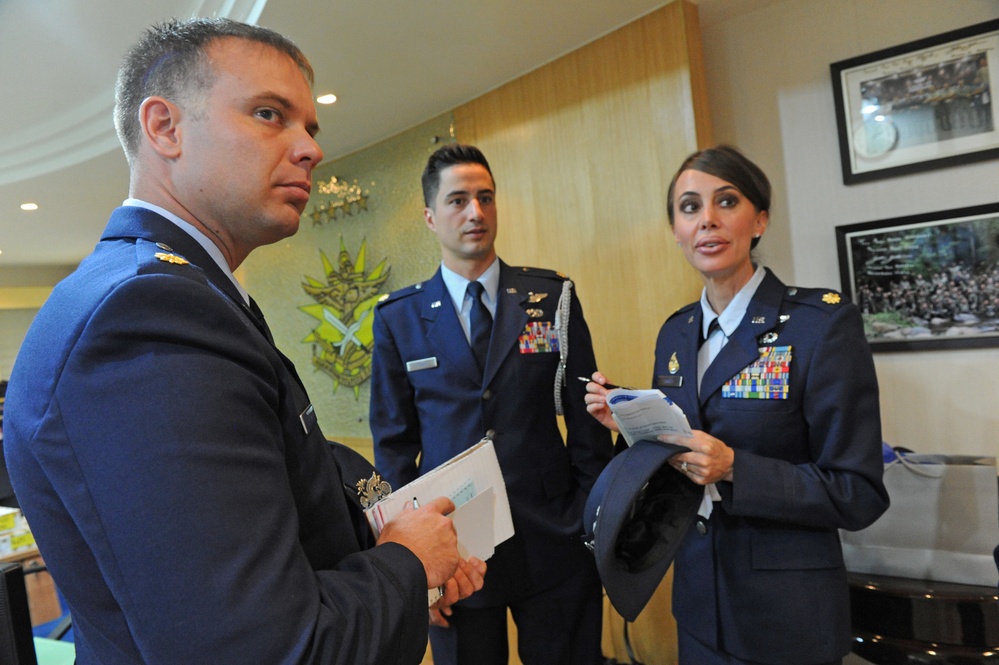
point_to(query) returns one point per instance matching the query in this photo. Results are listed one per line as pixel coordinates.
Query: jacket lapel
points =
(687, 343)
(444, 330)
(135, 222)
(508, 324)
(743, 346)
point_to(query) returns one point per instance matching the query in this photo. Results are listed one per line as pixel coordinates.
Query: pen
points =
(608, 386)
(416, 503)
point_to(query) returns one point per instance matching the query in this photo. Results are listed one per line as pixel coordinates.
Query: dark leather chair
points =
(16, 641)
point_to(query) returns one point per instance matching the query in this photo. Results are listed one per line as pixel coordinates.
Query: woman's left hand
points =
(708, 461)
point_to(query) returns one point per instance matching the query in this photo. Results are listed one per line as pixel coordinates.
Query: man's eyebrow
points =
(273, 97)
(286, 104)
(465, 192)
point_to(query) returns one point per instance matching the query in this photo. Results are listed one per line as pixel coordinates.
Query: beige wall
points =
(771, 94)
(583, 150)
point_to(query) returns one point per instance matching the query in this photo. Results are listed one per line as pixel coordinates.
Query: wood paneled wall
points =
(583, 150)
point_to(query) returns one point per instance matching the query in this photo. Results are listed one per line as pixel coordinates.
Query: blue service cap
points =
(635, 518)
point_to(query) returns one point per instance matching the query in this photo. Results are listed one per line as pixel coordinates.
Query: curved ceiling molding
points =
(58, 139)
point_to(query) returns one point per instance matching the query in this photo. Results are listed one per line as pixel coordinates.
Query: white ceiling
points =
(392, 63)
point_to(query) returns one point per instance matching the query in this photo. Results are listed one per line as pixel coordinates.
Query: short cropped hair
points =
(170, 61)
(447, 156)
(732, 166)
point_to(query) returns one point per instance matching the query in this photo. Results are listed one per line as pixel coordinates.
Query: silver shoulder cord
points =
(562, 333)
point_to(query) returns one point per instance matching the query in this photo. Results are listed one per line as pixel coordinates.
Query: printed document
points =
(473, 481)
(645, 414)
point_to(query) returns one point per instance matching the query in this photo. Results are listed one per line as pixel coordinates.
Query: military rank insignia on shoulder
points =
(544, 272)
(400, 294)
(822, 298)
(171, 258)
(688, 308)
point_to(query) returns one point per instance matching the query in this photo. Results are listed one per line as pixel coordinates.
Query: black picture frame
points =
(925, 282)
(926, 104)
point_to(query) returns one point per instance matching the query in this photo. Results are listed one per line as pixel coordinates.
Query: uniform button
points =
(487, 394)
(702, 527)
(491, 434)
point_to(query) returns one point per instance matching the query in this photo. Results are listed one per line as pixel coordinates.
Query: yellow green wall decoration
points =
(342, 340)
(347, 252)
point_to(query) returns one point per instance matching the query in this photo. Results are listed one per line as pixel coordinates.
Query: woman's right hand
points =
(596, 401)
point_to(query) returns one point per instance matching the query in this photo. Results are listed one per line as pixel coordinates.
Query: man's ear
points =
(160, 122)
(428, 215)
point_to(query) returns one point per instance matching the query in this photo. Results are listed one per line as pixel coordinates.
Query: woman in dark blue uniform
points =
(779, 387)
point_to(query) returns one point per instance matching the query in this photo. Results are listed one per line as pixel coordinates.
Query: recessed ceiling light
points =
(326, 99)
(29, 206)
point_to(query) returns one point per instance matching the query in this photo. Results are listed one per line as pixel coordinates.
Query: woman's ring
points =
(683, 467)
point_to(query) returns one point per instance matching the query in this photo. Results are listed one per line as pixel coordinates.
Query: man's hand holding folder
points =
(469, 493)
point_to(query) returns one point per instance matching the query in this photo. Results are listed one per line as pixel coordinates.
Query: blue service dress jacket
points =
(172, 471)
(429, 402)
(765, 581)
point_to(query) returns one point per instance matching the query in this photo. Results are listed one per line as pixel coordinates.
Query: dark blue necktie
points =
(264, 328)
(481, 324)
(712, 327)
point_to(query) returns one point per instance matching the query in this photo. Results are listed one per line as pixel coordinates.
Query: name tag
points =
(669, 381)
(308, 418)
(422, 363)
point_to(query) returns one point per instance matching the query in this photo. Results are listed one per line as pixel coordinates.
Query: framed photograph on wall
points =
(923, 105)
(927, 281)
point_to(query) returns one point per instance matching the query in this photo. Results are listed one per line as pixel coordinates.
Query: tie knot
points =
(475, 289)
(712, 327)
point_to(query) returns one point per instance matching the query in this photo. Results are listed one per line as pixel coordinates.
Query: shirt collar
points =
(730, 319)
(194, 232)
(456, 285)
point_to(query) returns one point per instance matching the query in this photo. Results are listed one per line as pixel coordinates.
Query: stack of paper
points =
(473, 481)
(645, 414)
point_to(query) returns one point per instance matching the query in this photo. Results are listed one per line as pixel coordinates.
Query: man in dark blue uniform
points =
(163, 450)
(486, 349)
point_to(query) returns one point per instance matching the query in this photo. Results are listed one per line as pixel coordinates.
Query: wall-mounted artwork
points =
(344, 308)
(927, 281)
(923, 105)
